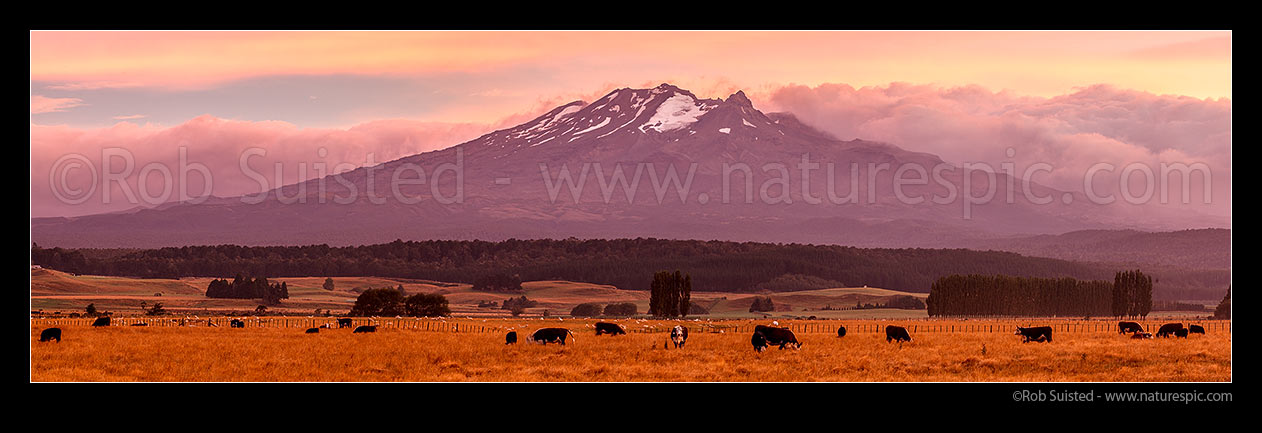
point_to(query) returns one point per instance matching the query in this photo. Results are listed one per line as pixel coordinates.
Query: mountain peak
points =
(739, 98)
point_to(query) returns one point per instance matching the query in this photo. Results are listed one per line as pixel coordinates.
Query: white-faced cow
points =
(778, 336)
(679, 336)
(896, 333)
(552, 335)
(609, 328)
(759, 342)
(1128, 327)
(1038, 333)
(1168, 329)
(50, 334)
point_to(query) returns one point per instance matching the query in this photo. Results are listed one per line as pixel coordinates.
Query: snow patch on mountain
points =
(675, 112)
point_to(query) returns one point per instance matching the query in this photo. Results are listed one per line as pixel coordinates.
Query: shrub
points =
(427, 305)
(621, 309)
(589, 309)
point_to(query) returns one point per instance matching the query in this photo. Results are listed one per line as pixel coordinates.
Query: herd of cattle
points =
(763, 337)
(1165, 331)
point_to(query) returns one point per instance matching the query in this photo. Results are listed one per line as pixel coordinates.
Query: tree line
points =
(1129, 295)
(748, 267)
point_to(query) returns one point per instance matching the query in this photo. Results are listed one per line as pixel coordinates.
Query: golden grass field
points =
(260, 354)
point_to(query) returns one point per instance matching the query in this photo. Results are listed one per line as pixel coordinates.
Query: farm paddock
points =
(718, 351)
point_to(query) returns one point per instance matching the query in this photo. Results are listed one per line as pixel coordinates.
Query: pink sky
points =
(396, 93)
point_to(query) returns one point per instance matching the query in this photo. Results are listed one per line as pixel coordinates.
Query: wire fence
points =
(634, 325)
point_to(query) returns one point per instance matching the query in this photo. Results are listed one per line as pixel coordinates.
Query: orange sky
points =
(1030, 63)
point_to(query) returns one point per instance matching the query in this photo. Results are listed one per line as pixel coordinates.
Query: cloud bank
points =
(1072, 132)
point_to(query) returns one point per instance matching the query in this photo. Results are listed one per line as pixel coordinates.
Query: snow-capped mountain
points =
(657, 162)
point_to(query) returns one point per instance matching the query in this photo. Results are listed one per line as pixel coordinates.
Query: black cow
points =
(343, 323)
(841, 332)
(511, 338)
(609, 328)
(1037, 333)
(313, 330)
(140, 324)
(101, 321)
(679, 336)
(49, 334)
(1168, 329)
(237, 323)
(1181, 333)
(1141, 335)
(896, 333)
(778, 336)
(552, 335)
(1196, 329)
(759, 342)
(1128, 327)
(364, 328)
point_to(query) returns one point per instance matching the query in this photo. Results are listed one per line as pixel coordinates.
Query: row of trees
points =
(670, 294)
(593, 309)
(749, 267)
(1003, 295)
(1130, 295)
(391, 302)
(248, 288)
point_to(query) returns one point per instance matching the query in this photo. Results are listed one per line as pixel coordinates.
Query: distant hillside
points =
(624, 263)
(1195, 249)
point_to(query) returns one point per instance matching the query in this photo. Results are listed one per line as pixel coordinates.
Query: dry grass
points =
(286, 354)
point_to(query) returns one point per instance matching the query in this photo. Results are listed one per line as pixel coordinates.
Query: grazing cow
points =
(1141, 335)
(313, 330)
(1196, 329)
(237, 323)
(552, 335)
(1128, 327)
(778, 336)
(364, 328)
(896, 333)
(140, 324)
(1168, 329)
(511, 338)
(1181, 333)
(326, 326)
(841, 332)
(679, 336)
(759, 342)
(1037, 333)
(101, 321)
(343, 323)
(609, 328)
(49, 334)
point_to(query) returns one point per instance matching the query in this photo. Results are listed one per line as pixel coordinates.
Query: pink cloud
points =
(1072, 132)
(44, 104)
(219, 145)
